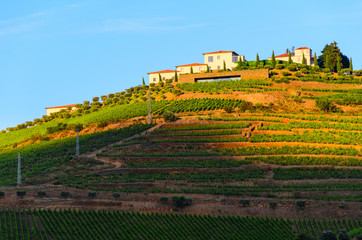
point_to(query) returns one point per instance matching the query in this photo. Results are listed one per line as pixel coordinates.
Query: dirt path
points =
(94, 153)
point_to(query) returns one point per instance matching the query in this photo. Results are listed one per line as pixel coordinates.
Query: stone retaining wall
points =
(244, 74)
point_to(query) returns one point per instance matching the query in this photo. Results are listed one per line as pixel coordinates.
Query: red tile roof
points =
(64, 106)
(302, 48)
(191, 64)
(164, 71)
(220, 52)
(282, 55)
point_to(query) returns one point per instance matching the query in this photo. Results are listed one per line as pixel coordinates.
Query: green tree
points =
(326, 64)
(329, 57)
(315, 60)
(303, 60)
(328, 235)
(176, 77)
(325, 104)
(257, 61)
(339, 68)
(273, 63)
(143, 81)
(290, 61)
(304, 236)
(343, 235)
(350, 65)
(207, 68)
(224, 66)
(191, 70)
(159, 78)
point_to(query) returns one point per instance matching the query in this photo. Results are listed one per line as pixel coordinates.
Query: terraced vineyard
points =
(74, 224)
(250, 155)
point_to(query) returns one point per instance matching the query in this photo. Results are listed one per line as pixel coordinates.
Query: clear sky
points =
(62, 52)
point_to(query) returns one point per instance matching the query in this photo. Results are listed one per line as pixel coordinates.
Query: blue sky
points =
(63, 52)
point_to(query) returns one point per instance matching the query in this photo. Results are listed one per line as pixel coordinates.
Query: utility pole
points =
(149, 119)
(77, 146)
(19, 169)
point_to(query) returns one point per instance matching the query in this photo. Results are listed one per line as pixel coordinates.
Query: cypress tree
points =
(290, 58)
(350, 65)
(159, 78)
(315, 60)
(339, 68)
(273, 60)
(207, 68)
(224, 66)
(326, 64)
(303, 60)
(257, 61)
(191, 70)
(176, 77)
(143, 81)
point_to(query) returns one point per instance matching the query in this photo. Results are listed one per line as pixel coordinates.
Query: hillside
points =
(261, 148)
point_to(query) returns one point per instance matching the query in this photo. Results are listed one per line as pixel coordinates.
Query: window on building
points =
(211, 59)
(182, 69)
(163, 78)
(218, 67)
(200, 68)
(154, 79)
(299, 59)
(218, 57)
(173, 78)
(235, 59)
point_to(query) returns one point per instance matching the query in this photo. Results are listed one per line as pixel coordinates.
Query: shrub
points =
(316, 68)
(168, 116)
(228, 109)
(343, 235)
(297, 99)
(273, 73)
(181, 201)
(285, 73)
(304, 70)
(292, 67)
(301, 204)
(325, 104)
(328, 235)
(164, 199)
(2, 194)
(102, 124)
(268, 66)
(41, 194)
(65, 194)
(342, 206)
(244, 202)
(259, 106)
(303, 236)
(116, 195)
(326, 70)
(298, 74)
(21, 193)
(273, 204)
(245, 105)
(279, 66)
(92, 194)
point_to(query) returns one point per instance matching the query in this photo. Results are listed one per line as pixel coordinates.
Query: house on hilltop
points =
(51, 110)
(165, 74)
(216, 60)
(297, 56)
